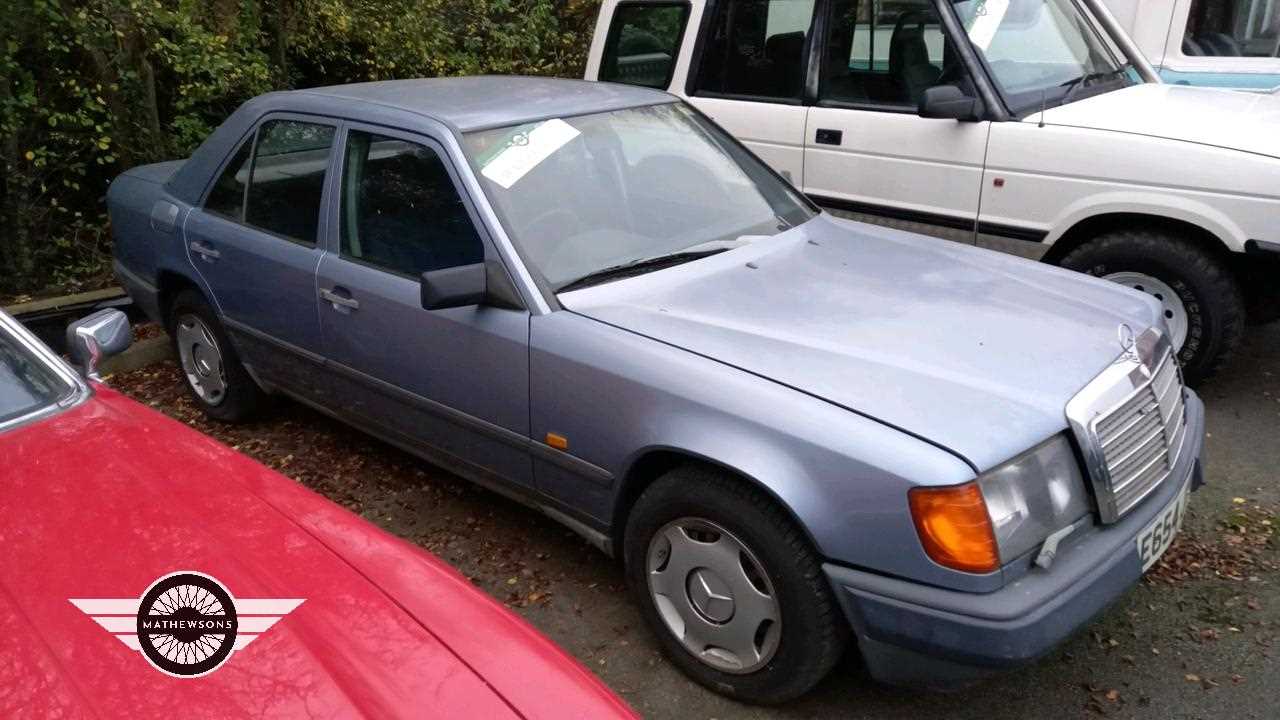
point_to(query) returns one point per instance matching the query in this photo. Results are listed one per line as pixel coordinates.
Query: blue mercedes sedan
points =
(800, 434)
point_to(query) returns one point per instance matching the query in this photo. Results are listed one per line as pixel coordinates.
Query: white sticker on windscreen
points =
(987, 19)
(526, 150)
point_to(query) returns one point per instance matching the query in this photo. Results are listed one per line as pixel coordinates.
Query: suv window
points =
(756, 48)
(287, 180)
(400, 209)
(227, 195)
(643, 41)
(1233, 28)
(886, 53)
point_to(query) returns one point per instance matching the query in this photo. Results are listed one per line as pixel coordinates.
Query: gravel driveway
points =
(1198, 640)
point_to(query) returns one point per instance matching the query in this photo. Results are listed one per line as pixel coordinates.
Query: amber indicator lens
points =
(954, 527)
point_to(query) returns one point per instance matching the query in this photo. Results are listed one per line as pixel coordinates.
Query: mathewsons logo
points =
(187, 624)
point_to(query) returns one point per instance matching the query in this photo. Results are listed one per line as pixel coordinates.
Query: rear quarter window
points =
(644, 40)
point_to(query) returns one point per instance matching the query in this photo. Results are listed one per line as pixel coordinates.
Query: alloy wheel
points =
(201, 359)
(713, 595)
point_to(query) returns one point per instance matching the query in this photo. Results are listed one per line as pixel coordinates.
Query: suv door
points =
(253, 242)
(749, 72)
(868, 154)
(451, 383)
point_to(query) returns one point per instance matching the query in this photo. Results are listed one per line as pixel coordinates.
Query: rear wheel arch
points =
(653, 463)
(170, 284)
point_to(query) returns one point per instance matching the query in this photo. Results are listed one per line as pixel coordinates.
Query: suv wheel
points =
(730, 586)
(1203, 304)
(214, 376)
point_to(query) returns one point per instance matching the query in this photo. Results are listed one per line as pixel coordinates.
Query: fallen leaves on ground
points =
(1241, 546)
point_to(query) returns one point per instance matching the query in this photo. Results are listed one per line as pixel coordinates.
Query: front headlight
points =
(1004, 513)
(1034, 495)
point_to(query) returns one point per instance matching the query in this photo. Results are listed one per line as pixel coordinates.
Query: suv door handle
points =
(342, 303)
(828, 137)
(206, 253)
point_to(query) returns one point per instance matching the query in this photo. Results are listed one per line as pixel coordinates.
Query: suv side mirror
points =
(92, 338)
(454, 287)
(949, 102)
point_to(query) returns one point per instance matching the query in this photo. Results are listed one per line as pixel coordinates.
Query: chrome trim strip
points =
(530, 497)
(235, 326)
(572, 463)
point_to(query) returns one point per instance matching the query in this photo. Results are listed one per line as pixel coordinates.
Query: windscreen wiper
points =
(1073, 85)
(637, 267)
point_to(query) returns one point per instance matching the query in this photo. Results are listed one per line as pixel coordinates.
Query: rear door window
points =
(287, 178)
(644, 39)
(757, 49)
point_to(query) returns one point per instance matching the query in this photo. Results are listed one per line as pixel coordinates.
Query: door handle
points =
(206, 253)
(828, 137)
(341, 303)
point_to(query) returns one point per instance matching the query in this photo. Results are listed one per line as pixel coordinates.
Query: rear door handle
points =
(828, 137)
(206, 253)
(341, 303)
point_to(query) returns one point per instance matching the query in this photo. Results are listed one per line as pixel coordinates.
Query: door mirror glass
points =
(454, 287)
(97, 336)
(949, 102)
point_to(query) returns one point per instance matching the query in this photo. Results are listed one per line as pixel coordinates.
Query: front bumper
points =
(916, 634)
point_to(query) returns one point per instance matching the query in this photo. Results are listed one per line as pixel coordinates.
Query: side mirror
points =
(92, 338)
(454, 287)
(948, 102)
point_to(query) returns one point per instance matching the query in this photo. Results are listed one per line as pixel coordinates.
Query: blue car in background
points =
(795, 430)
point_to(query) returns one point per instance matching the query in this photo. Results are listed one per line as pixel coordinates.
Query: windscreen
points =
(581, 194)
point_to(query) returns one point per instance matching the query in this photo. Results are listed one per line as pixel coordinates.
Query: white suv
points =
(1030, 126)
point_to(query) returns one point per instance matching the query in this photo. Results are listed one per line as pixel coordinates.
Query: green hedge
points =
(90, 88)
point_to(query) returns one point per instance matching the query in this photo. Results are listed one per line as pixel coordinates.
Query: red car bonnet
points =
(103, 499)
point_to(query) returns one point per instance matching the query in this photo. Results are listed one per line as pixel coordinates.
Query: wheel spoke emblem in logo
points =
(186, 624)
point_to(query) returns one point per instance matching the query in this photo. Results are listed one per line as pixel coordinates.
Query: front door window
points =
(400, 209)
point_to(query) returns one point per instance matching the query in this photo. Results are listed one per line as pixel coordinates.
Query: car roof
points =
(489, 101)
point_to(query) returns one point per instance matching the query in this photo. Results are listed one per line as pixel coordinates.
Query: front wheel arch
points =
(1090, 228)
(652, 463)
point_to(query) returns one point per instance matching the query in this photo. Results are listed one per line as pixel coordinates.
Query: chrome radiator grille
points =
(1140, 438)
(1131, 423)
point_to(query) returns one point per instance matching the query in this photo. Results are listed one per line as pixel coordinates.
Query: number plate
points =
(1156, 537)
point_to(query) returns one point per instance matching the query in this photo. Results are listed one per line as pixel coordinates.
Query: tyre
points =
(212, 372)
(1203, 303)
(731, 588)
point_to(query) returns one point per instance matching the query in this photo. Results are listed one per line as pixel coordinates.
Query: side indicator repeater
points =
(557, 441)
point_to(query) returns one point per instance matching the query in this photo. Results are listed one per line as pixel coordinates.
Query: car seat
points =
(909, 65)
